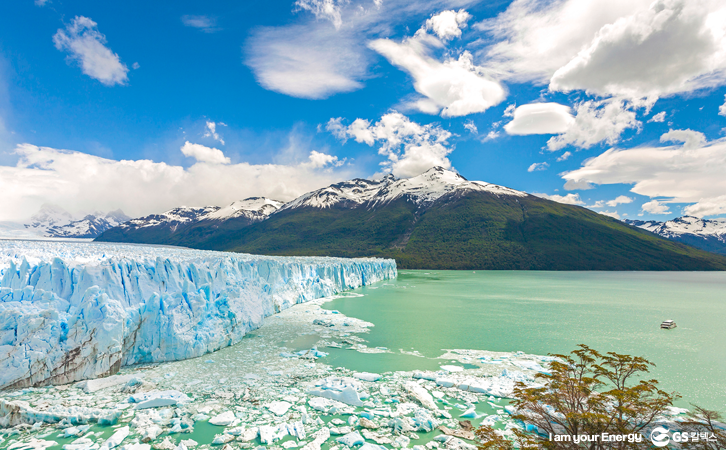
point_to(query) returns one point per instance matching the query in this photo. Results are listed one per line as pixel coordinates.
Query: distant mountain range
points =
(706, 234)
(54, 222)
(437, 220)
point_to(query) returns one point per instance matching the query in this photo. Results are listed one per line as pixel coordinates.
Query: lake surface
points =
(550, 312)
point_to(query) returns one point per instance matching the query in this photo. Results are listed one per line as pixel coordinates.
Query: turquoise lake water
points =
(550, 312)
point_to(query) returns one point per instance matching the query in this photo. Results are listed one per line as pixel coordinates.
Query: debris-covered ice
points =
(75, 311)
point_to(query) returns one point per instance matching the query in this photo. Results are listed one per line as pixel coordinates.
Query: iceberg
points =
(78, 311)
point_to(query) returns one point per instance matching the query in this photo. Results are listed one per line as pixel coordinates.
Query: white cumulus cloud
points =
(540, 118)
(722, 108)
(448, 24)
(613, 214)
(627, 48)
(596, 121)
(81, 182)
(453, 87)
(86, 45)
(536, 167)
(660, 117)
(204, 154)
(619, 200)
(655, 207)
(567, 199)
(673, 174)
(410, 148)
(689, 138)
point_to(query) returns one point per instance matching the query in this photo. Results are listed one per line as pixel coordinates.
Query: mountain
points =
(52, 221)
(706, 234)
(180, 225)
(437, 220)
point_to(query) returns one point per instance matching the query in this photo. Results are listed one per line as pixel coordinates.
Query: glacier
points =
(77, 311)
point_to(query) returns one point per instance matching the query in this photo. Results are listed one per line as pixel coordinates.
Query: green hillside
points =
(474, 230)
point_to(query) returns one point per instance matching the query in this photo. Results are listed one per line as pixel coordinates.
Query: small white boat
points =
(668, 324)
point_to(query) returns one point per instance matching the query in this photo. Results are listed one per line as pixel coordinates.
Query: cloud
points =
(655, 207)
(626, 57)
(613, 214)
(540, 118)
(610, 47)
(660, 117)
(323, 9)
(86, 45)
(318, 160)
(471, 127)
(306, 62)
(619, 200)
(722, 108)
(410, 148)
(564, 156)
(204, 154)
(41, 2)
(211, 131)
(454, 87)
(204, 23)
(568, 199)
(595, 122)
(675, 174)
(689, 138)
(448, 24)
(536, 167)
(79, 182)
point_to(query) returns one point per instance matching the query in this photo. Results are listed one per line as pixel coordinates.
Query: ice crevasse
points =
(75, 311)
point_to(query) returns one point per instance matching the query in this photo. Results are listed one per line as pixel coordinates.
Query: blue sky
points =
(613, 105)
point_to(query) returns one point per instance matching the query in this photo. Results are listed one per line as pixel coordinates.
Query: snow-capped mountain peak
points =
(253, 207)
(173, 217)
(422, 189)
(686, 225)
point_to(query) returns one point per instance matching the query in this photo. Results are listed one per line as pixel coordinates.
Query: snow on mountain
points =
(172, 218)
(54, 222)
(422, 189)
(74, 311)
(256, 208)
(686, 225)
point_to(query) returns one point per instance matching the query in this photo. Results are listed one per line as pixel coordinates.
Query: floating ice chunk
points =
(222, 439)
(116, 438)
(225, 419)
(158, 398)
(401, 441)
(81, 444)
(367, 376)
(289, 444)
(270, 434)
(90, 386)
(327, 405)
(452, 368)
(470, 413)
(369, 446)
(189, 443)
(530, 365)
(32, 444)
(344, 390)
(431, 376)
(445, 382)
(421, 394)
(423, 420)
(136, 447)
(278, 408)
(319, 438)
(351, 439)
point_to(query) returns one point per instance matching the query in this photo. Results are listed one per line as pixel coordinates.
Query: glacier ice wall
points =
(73, 311)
